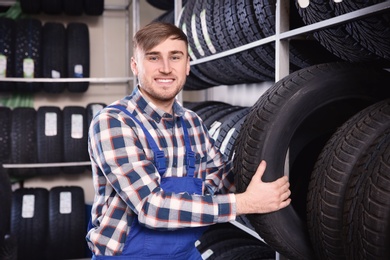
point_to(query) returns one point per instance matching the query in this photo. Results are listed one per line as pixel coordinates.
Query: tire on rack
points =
(7, 51)
(247, 252)
(29, 221)
(229, 131)
(73, 7)
(369, 210)
(336, 39)
(334, 171)
(67, 226)
(78, 51)
(92, 109)
(94, 7)
(54, 56)
(372, 32)
(49, 138)
(52, 6)
(28, 53)
(23, 141)
(8, 251)
(75, 138)
(5, 204)
(298, 114)
(30, 6)
(5, 133)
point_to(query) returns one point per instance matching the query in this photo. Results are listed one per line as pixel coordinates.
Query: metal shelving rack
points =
(106, 80)
(281, 37)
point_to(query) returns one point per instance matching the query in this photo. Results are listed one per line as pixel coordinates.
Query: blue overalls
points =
(145, 243)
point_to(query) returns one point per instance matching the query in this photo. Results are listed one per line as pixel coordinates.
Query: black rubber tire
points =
(30, 6)
(5, 133)
(23, 141)
(299, 113)
(94, 7)
(221, 114)
(49, 138)
(366, 226)
(67, 223)
(92, 109)
(52, 6)
(164, 4)
(73, 7)
(5, 204)
(29, 222)
(248, 252)
(75, 138)
(229, 131)
(336, 39)
(54, 62)
(223, 245)
(333, 173)
(28, 45)
(78, 55)
(372, 32)
(209, 110)
(7, 49)
(9, 249)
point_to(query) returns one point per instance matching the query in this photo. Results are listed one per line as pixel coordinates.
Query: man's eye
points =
(153, 58)
(175, 57)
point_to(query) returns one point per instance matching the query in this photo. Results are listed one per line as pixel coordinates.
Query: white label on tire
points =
(28, 68)
(195, 35)
(77, 126)
(78, 71)
(50, 124)
(96, 108)
(226, 140)
(28, 206)
(214, 126)
(206, 254)
(65, 202)
(3, 66)
(55, 74)
(206, 35)
(190, 52)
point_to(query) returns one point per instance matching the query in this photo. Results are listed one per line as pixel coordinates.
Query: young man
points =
(158, 179)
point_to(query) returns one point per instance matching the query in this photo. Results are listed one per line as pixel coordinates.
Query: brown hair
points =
(156, 32)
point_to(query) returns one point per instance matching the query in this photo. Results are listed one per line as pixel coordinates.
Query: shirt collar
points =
(146, 107)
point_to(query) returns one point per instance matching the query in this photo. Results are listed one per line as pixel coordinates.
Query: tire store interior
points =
(302, 84)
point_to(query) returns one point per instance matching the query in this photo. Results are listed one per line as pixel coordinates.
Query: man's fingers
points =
(260, 170)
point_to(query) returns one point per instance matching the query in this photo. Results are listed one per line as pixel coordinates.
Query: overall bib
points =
(145, 243)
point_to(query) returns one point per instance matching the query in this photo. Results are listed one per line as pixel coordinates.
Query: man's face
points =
(162, 71)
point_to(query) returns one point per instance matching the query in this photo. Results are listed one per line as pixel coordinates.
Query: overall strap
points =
(190, 155)
(159, 157)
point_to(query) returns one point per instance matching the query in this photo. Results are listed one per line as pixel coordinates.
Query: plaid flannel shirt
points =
(126, 181)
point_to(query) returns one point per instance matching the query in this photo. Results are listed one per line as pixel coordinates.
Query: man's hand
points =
(263, 197)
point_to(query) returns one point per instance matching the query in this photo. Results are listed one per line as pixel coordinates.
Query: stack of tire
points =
(68, 7)
(217, 26)
(32, 50)
(363, 40)
(44, 224)
(328, 126)
(46, 135)
(223, 122)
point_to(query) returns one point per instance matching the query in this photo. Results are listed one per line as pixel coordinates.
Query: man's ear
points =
(134, 66)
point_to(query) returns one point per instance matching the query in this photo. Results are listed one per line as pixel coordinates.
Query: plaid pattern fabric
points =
(127, 183)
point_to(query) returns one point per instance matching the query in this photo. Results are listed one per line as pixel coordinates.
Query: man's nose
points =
(165, 66)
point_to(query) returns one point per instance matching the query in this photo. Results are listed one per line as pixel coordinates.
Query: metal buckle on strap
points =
(159, 160)
(190, 159)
